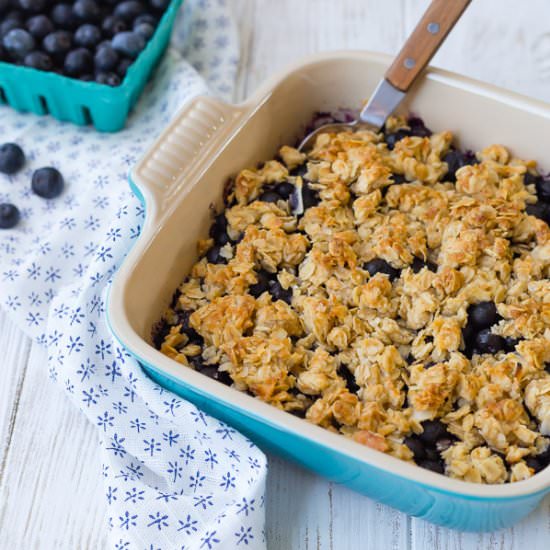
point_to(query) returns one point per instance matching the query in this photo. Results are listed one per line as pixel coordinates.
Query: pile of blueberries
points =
(46, 182)
(91, 40)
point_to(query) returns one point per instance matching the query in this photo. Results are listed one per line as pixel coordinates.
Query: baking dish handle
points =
(168, 168)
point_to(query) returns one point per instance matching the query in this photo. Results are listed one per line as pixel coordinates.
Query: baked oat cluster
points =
(388, 287)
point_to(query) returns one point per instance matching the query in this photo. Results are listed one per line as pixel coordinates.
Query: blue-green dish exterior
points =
(79, 102)
(446, 508)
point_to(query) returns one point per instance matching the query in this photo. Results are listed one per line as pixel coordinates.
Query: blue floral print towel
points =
(174, 477)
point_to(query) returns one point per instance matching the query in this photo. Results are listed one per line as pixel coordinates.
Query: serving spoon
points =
(420, 47)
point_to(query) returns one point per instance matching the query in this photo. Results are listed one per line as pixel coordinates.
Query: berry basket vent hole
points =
(43, 104)
(87, 115)
(3, 98)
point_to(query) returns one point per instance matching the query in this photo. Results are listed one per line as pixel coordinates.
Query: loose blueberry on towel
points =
(487, 342)
(12, 158)
(39, 26)
(456, 159)
(9, 216)
(47, 182)
(483, 314)
(378, 265)
(18, 43)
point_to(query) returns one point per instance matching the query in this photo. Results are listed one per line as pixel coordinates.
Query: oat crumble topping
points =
(407, 308)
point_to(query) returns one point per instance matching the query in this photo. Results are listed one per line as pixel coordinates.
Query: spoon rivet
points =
(409, 63)
(433, 28)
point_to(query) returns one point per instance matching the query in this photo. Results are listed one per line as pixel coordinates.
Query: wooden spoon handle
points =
(424, 41)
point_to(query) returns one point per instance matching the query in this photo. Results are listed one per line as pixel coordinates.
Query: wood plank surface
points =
(50, 488)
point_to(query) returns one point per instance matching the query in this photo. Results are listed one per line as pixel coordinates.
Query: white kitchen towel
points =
(173, 476)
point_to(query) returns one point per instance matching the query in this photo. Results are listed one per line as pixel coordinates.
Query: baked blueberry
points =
(483, 314)
(540, 210)
(416, 446)
(12, 158)
(58, 43)
(349, 377)
(39, 26)
(261, 285)
(543, 189)
(300, 170)
(106, 59)
(38, 60)
(9, 215)
(419, 264)
(284, 189)
(487, 342)
(129, 10)
(393, 138)
(87, 11)
(108, 78)
(398, 179)
(433, 431)
(218, 230)
(269, 196)
(47, 182)
(214, 257)
(303, 198)
(378, 265)
(444, 443)
(456, 159)
(212, 372)
(144, 29)
(432, 465)
(87, 36)
(18, 43)
(64, 17)
(112, 25)
(510, 343)
(278, 292)
(78, 62)
(418, 128)
(128, 43)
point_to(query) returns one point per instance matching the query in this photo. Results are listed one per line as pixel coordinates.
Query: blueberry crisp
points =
(388, 287)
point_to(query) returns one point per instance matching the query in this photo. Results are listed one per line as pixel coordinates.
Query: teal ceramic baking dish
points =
(184, 173)
(79, 102)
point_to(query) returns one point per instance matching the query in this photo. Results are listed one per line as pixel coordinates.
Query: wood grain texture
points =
(50, 488)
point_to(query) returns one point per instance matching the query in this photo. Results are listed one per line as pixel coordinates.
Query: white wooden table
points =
(50, 488)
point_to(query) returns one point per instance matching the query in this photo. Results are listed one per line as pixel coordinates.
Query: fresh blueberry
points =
(349, 377)
(214, 257)
(38, 60)
(433, 465)
(4, 5)
(18, 43)
(129, 10)
(456, 159)
(87, 10)
(393, 138)
(128, 43)
(123, 67)
(47, 182)
(112, 25)
(278, 292)
(144, 29)
(487, 342)
(418, 128)
(106, 59)
(284, 189)
(64, 17)
(419, 264)
(483, 314)
(146, 18)
(261, 285)
(540, 210)
(39, 26)
(58, 43)
(12, 158)
(543, 189)
(433, 431)
(9, 24)
(269, 196)
(87, 36)
(378, 265)
(78, 62)
(160, 5)
(9, 216)
(108, 78)
(34, 6)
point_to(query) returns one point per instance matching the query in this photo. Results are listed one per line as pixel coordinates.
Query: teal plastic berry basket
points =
(68, 99)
